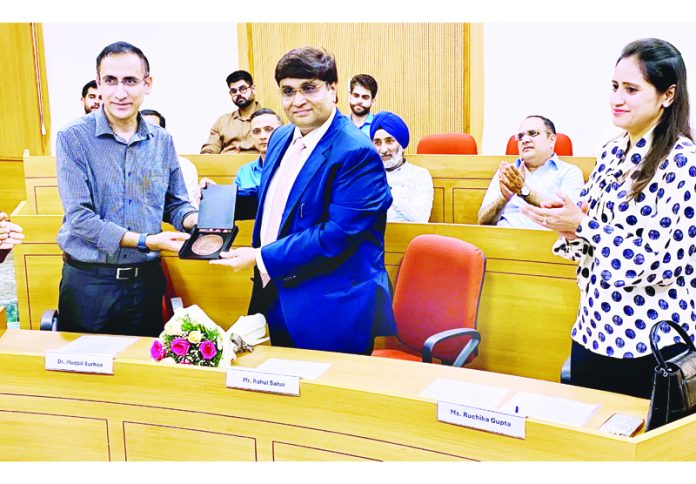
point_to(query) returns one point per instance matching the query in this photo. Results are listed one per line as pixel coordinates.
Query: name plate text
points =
(82, 363)
(481, 419)
(258, 381)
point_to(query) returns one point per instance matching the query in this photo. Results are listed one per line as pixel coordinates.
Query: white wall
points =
(563, 72)
(188, 63)
(559, 70)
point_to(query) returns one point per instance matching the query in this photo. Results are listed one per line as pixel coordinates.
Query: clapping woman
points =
(634, 231)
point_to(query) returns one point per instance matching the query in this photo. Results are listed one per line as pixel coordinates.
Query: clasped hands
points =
(562, 216)
(511, 179)
(10, 234)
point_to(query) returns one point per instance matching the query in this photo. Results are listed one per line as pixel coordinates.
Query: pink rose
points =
(180, 346)
(208, 350)
(157, 350)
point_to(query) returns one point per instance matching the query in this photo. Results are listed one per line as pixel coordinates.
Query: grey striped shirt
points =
(109, 185)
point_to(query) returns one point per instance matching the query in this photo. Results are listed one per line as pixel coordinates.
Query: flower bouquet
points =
(190, 337)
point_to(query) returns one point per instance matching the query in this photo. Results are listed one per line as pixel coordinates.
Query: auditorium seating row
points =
(460, 181)
(465, 144)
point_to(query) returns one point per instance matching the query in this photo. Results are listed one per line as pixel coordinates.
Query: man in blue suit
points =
(318, 242)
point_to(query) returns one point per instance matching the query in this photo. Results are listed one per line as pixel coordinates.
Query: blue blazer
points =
(328, 261)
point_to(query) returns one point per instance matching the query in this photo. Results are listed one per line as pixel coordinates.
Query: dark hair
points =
(366, 81)
(547, 122)
(90, 85)
(239, 76)
(152, 112)
(262, 111)
(307, 63)
(123, 48)
(662, 66)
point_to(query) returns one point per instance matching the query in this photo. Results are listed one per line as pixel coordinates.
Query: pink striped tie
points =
(274, 206)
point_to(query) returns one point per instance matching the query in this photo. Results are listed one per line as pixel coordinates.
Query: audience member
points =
(231, 132)
(411, 185)
(263, 123)
(362, 95)
(91, 99)
(634, 237)
(188, 169)
(533, 178)
(118, 180)
(318, 240)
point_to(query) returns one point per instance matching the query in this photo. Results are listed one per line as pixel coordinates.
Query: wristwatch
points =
(142, 246)
(524, 191)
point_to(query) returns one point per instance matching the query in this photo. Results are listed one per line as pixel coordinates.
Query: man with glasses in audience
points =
(263, 123)
(230, 133)
(118, 180)
(536, 176)
(91, 99)
(318, 241)
(362, 95)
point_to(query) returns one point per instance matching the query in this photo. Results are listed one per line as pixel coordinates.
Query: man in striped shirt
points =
(118, 180)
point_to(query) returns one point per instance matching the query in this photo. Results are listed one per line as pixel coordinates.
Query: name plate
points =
(82, 363)
(259, 381)
(481, 419)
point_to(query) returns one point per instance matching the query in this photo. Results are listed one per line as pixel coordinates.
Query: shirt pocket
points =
(154, 185)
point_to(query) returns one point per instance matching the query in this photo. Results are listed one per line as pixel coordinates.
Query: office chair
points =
(447, 144)
(436, 301)
(564, 147)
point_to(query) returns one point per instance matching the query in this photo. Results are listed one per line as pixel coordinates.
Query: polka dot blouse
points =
(635, 257)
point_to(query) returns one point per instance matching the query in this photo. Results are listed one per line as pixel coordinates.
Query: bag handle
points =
(653, 340)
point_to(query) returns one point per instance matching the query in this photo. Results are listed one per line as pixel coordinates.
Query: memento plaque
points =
(207, 244)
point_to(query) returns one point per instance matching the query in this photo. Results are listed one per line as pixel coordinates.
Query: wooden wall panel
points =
(21, 56)
(420, 67)
(33, 437)
(151, 442)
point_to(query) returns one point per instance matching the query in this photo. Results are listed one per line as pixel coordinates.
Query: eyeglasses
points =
(241, 90)
(308, 90)
(532, 133)
(112, 81)
(266, 129)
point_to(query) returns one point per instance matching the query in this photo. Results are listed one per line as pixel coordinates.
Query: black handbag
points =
(674, 382)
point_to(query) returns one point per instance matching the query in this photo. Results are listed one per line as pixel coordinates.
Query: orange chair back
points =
(447, 144)
(438, 288)
(564, 147)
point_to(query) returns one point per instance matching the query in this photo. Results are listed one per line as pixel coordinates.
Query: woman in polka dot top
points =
(634, 232)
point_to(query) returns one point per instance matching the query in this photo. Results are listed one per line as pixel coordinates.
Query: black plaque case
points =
(216, 217)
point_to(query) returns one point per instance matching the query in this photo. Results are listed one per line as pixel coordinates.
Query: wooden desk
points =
(361, 408)
(528, 305)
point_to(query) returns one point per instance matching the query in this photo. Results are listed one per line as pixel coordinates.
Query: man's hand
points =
(190, 220)
(237, 259)
(10, 234)
(171, 241)
(512, 178)
(507, 194)
(202, 183)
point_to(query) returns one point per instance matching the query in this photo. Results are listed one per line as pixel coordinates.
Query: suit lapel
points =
(271, 164)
